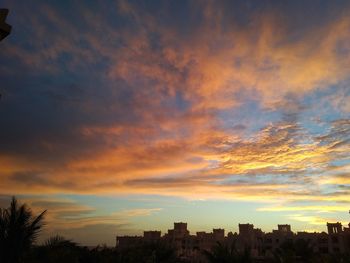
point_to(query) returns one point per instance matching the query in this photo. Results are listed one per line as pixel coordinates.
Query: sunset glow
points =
(129, 115)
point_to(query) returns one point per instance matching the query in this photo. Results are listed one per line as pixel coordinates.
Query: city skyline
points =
(120, 116)
(227, 231)
(260, 246)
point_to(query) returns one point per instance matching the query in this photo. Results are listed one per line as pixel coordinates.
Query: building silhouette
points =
(260, 245)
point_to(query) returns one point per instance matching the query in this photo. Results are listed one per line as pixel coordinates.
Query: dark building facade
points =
(259, 244)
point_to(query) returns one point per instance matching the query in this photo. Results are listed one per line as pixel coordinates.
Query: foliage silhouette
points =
(19, 229)
(227, 253)
(153, 252)
(101, 254)
(56, 249)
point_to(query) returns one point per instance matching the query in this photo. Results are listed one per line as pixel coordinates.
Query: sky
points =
(123, 116)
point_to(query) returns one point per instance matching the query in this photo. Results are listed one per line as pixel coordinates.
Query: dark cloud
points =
(32, 178)
(165, 182)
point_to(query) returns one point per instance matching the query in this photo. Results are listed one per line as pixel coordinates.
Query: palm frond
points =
(19, 229)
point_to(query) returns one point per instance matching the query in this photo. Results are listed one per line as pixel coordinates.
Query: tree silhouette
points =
(298, 250)
(154, 252)
(101, 254)
(59, 241)
(227, 253)
(19, 229)
(5, 28)
(57, 249)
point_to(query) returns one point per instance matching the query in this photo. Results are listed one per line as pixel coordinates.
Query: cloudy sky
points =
(124, 116)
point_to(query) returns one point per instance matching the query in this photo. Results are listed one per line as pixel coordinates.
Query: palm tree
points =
(59, 241)
(57, 249)
(19, 229)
